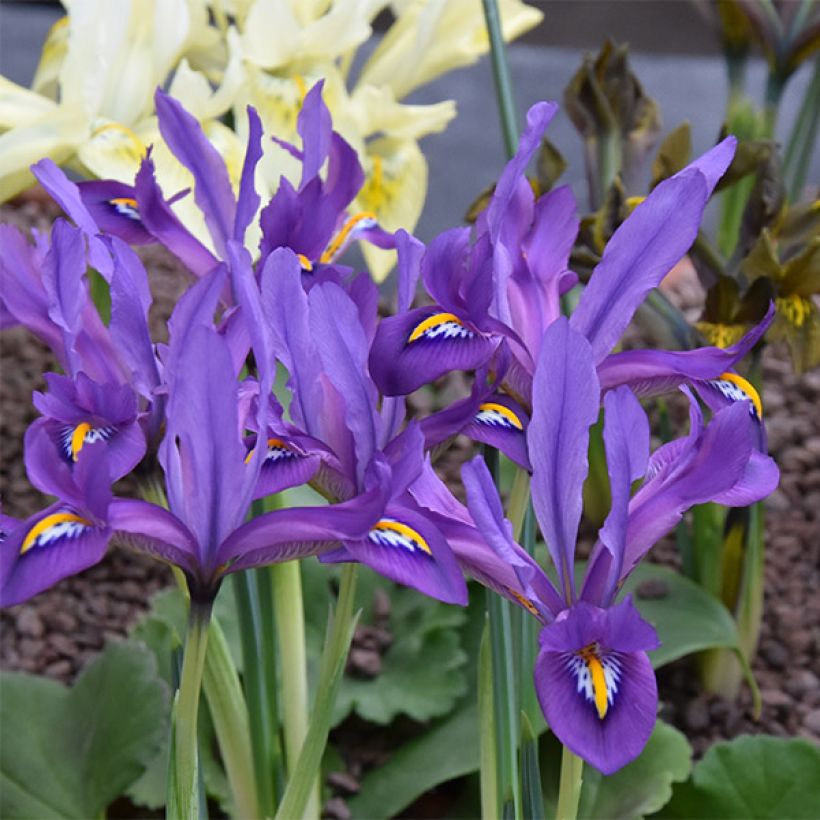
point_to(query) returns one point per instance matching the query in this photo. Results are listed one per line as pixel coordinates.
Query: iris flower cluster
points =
(201, 410)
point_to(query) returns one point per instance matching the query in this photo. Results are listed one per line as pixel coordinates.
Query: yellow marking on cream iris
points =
(795, 308)
(403, 530)
(596, 670)
(339, 240)
(433, 321)
(46, 524)
(78, 439)
(508, 414)
(747, 388)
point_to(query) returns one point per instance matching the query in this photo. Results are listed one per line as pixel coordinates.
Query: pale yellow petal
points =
(51, 59)
(55, 135)
(395, 189)
(431, 37)
(19, 106)
(377, 111)
(113, 151)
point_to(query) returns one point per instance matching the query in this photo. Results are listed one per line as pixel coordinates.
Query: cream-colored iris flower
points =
(288, 44)
(93, 90)
(91, 102)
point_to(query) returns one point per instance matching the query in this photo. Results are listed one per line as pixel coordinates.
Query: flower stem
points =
(286, 584)
(184, 780)
(340, 633)
(223, 691)
(501, 74)
(569, 789)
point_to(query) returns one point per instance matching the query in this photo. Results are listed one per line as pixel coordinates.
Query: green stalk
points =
(489, 764)
(803, 138)
(267, 756)
(340, 633)
(519, 501)
(528, 649)
(183, 780)
(775, 84)
(501, 74)
(533, 797)
(569, 789)
(223, 692)
(289, 610)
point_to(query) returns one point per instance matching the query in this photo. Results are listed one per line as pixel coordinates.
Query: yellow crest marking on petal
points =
(304, 262)
(389, 525)
(596, 671)
(338, 241)
(300, 83)
(745, 387)
(78, 439)
(525, 602)
(492, 407)
(46, 524)
(794, 308)
(432, 321)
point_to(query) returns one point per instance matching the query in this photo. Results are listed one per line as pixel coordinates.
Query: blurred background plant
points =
(90, 105)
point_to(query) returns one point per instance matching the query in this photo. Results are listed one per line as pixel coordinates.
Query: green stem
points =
(229, 713)
(289, 609)
(569, 790)
(774, 92)
(184, 779)
(803, 138)
(305, 773)
(519, 501)
(267, 758)
(501, 74)
(487, 741)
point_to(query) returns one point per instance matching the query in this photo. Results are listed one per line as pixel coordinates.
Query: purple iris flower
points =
(506, 285)
(593, 675)
(336, 433)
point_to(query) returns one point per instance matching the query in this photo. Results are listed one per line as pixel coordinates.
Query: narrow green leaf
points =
(486, 717)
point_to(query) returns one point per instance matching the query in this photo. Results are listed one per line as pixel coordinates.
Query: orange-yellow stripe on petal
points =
(46, 524)
(745, 387)
(78, 439)
(406, 532)
(502, 410)
(339, 240)
(433, 321)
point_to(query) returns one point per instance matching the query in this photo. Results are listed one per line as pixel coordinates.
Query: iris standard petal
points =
(247, 203)
(212, 186)
(565, 405)
(640, 253)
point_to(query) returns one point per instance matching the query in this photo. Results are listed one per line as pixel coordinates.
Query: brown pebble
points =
(62, 644)
(365, 663)
(775, 653)
(343, 782)
(381, 604)
(59, 670)
(336, 809)
(775, 698)
(652, 589)
(30, 624)
(697, 715)
(28, 648)
(60, 621)
(812, 721)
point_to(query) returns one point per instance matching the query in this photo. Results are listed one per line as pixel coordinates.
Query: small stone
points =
(60, 621)
(59, 670)
(29, 649)
(652, 589)
(777, 502)
(343, 782)
(802, 681)
(775, 698)
(812, 721)
(776, 655)
(697, 715)
(62, 644)
(29, 623)
(336, 809)
(364, 663)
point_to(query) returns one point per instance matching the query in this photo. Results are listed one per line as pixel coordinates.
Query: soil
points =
(56, 633)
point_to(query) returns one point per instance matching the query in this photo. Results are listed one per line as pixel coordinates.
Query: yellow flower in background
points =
(93, 89)
(91, 102)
